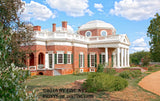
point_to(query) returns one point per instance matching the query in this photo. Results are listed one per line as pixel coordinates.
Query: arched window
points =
(40, 58)
(88, 33)
(103, 33)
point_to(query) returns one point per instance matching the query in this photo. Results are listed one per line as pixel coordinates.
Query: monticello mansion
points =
(61, 51)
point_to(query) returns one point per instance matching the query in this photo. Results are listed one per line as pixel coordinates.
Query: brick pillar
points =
(27, 61)
(36, 59)
(37, 28)
(44, 60)
(53, 27)
(64, 25)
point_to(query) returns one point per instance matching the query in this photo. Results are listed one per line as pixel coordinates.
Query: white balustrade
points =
(64, 34)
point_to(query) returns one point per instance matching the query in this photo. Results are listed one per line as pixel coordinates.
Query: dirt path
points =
(151, 83)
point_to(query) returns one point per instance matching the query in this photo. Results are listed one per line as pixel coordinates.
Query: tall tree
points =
(19, 32)
(13, 33)
(154, 34)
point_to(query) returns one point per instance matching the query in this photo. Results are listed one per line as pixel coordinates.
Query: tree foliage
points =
(154, 34)
(13, 33)
(18, 32)
(135, 58)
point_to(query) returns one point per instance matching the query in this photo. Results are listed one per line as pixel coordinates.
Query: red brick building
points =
(63, 52)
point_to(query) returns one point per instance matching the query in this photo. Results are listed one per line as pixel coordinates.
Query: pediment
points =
(124, 39)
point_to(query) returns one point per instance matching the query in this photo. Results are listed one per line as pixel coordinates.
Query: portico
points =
(120, 57)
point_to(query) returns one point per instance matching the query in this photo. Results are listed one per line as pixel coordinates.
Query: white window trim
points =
(90, 58)
(86, 33)
(60, 52)
(50, 52)
(81, 53)
(81, 71)
(102, 57)
(91, 69)
(105, 31)
(69, 53)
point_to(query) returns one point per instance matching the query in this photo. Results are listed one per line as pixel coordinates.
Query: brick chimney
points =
(53, 27)
(37, 28)
(64, 25)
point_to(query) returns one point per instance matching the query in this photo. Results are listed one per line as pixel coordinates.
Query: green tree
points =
(12, 34)
(135, 58)
(154, 34)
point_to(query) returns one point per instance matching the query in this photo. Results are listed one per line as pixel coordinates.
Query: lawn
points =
(130, 93)
(52, 81)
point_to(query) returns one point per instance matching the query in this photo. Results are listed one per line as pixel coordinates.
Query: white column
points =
(121, 57)
(128, 57)
(118, 58)
(46, 61)
(125, 58)
(106, 55)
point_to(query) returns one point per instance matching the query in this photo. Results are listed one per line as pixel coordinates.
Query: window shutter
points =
(79, 60)
(55, 58)
(100, 59)
(95, 60)
(88, 61)
(72, 58)
(65, 58)
(83, 60)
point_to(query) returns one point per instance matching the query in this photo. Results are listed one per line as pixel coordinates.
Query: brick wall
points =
(76, 52)
(96, 32)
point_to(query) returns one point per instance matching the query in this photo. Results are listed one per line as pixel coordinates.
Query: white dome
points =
(96, 24)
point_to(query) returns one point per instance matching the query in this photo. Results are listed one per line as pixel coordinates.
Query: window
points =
(103, 33)
(50, 60)
(69, 58)
(81, 60)
(60, 57)
(102, 58)
(88, 33)
(92, 60)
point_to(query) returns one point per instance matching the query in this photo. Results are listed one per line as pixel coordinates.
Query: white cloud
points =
(136, 9)
(90, 13)
(36, 11)
(139, 42)
(139, 45)
(73, 8)
(98, 7)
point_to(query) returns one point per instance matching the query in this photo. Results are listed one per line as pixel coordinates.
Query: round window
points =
(88, 33)
(103, 33)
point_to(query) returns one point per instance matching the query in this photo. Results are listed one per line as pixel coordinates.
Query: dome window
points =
(88, 33)
(103, 33)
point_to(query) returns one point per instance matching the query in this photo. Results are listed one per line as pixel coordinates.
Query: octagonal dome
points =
(96, 24)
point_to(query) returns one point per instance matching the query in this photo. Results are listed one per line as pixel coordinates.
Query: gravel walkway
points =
(151, 83)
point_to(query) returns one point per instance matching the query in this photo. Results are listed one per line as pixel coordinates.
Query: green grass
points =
(52, 81)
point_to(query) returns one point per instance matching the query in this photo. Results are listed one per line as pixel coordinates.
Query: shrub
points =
(130, 74)
(104, 82)
(100, 68)
(110, 71)
(150, 68)
(135, 73)
(76, 72)
(156, 65)
(125, 74)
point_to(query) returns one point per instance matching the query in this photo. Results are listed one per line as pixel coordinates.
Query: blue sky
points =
(131, 17)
